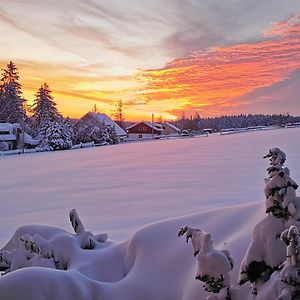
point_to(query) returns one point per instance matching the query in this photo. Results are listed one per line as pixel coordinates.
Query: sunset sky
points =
(212, 57)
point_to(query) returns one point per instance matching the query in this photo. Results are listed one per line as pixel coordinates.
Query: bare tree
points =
(119, 113)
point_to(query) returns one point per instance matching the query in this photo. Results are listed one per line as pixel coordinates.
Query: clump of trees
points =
(92, 129)
(46, 124)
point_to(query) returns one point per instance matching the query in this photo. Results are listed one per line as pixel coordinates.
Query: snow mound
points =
(152, 264)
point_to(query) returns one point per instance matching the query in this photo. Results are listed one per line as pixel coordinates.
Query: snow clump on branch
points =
(213, 265)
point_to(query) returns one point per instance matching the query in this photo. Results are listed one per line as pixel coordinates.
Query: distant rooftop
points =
(108, 121)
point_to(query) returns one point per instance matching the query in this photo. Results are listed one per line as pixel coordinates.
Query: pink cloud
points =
(214, 81)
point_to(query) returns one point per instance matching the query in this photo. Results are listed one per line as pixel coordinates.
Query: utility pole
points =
(23, 134)
(152, 126)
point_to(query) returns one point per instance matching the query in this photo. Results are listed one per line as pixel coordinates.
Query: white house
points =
(12, 135)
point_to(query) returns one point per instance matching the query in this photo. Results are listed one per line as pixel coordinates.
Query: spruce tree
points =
(44, 110)
(11, 100)
(266, 253)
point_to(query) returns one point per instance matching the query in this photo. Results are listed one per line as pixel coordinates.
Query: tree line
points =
(198, 123)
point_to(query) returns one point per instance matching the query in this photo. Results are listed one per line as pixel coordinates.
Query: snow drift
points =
(152, 264)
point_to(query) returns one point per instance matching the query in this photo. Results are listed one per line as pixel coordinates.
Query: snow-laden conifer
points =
(290, 273)
(44, 109)
(267, 252)
(11, 100)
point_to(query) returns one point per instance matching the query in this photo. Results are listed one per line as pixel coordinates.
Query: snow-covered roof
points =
(152, 125)
(171, 126)
(9, 126)
(6, 127)
(155, 126)
(29, 140)
(108, 121)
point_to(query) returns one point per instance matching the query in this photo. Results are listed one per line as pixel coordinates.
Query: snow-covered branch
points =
(213, 265)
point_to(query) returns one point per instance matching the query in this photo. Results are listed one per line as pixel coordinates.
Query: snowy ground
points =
(119, 189)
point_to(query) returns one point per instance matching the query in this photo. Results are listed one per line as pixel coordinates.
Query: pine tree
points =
(11, 100)
(3, 146)
(44, 110)
(283, 209)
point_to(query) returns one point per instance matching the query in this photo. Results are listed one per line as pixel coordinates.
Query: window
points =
(140, 136)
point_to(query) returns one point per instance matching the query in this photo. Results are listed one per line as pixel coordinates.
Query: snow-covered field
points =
(119, 189)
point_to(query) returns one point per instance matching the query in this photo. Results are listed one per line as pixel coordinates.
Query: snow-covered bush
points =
(86, 239)
(285, 283)
(213, 265)
(91, 130)
(261, 260)
(112, 134)
(3, 146)
(36, 250)
(55, 137)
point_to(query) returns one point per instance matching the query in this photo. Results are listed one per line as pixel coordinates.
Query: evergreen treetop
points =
(11, 100)
(44, 108)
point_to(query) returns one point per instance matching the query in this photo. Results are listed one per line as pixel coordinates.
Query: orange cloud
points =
(215, 81)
